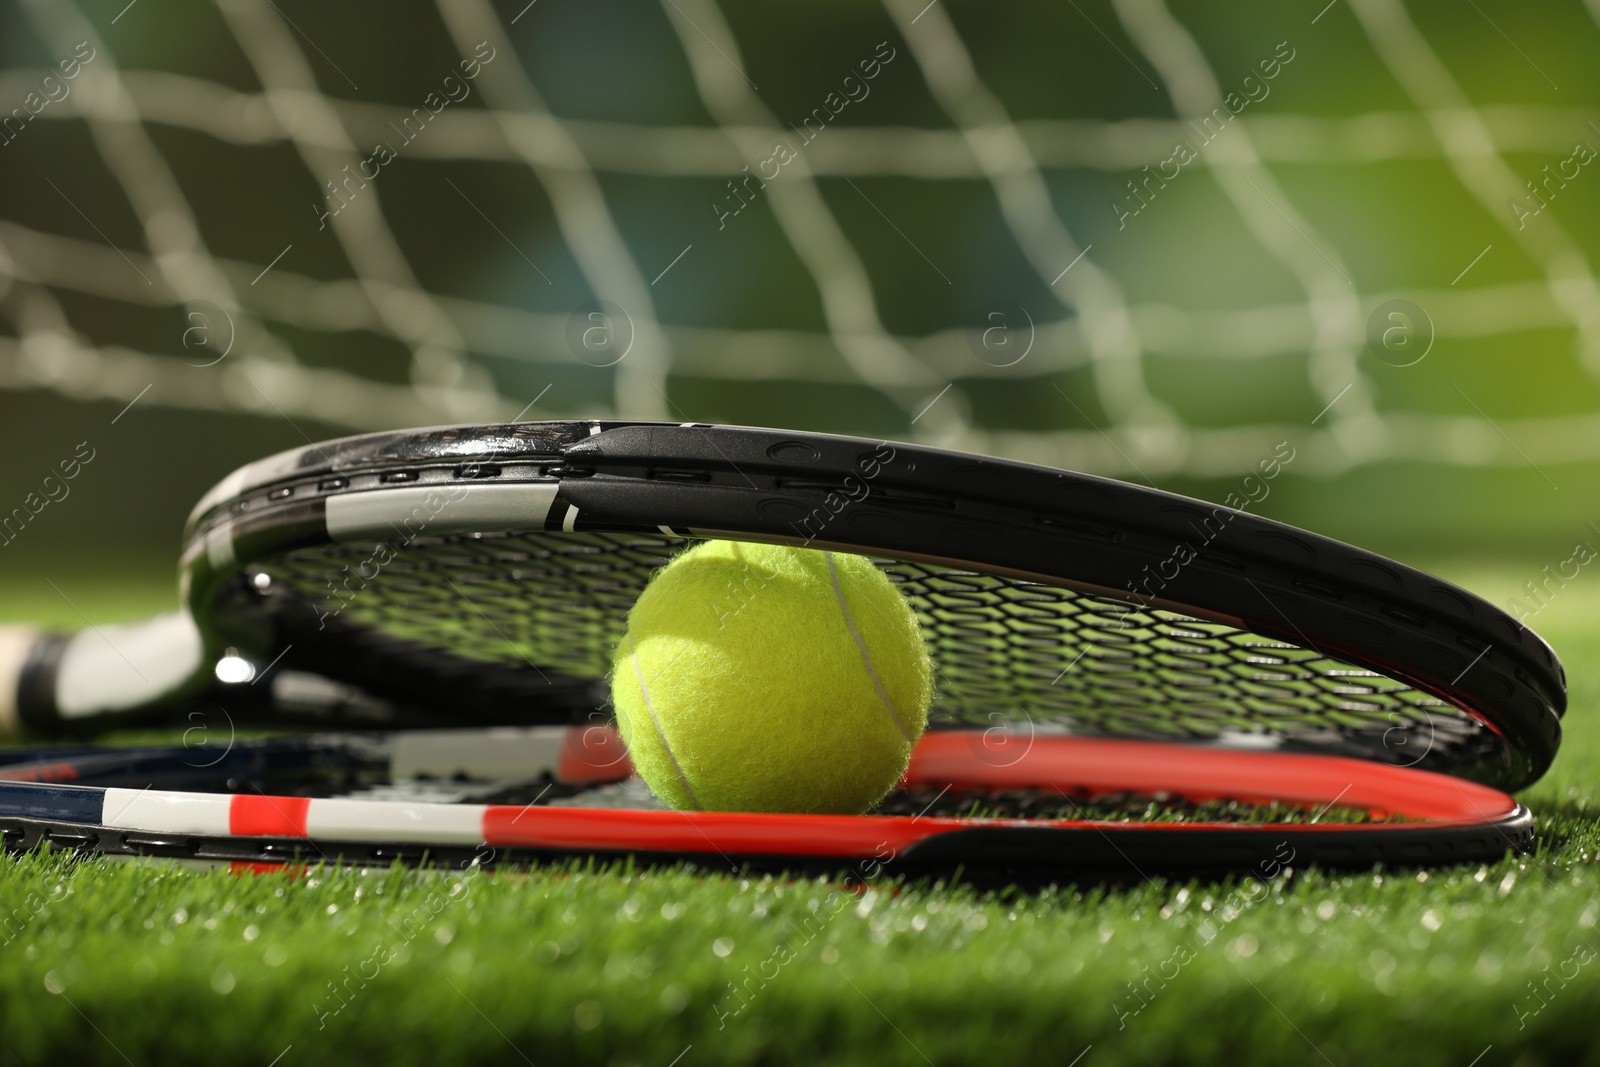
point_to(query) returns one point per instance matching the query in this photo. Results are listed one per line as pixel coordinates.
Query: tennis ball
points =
(768, 678)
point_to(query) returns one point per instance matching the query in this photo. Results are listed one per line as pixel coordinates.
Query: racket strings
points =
(514, 610)
(921, 801)
(1053, 805)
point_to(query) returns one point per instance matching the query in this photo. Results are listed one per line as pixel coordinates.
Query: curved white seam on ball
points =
(644, 691)
(861, 644)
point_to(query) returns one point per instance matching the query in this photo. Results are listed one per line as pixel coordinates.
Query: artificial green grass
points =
(121, 963)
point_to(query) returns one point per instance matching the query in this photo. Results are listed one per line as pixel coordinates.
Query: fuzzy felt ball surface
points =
(769, 678)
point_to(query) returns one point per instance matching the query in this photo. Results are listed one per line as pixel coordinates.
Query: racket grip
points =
(99, 677)
(16, 648)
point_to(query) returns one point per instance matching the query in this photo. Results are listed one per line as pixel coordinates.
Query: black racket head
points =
(487, 572)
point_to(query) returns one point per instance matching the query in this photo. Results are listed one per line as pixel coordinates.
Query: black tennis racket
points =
(481, 575)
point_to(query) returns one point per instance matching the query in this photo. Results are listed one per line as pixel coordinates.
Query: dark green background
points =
(1399, 226)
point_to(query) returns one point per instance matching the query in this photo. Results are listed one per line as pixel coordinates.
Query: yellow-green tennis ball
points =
(768, 678)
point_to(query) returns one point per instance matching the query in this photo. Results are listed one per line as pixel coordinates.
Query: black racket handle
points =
(158, 673)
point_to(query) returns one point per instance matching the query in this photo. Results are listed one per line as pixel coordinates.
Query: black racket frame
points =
(1029, 522)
